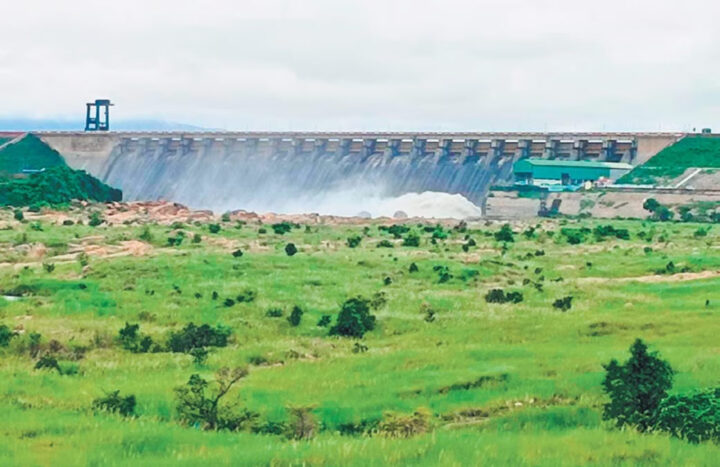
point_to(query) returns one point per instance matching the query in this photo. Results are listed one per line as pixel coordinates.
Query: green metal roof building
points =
(567, 172)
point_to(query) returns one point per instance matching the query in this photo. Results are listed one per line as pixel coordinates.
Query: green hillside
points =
(29, 153)
(56, 185)
(671, 162)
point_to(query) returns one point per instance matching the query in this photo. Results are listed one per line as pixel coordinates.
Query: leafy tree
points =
(651, 205)
(636, 388)
(354, 319)
(214, 228)
(563, 304)
(95, 219)
(113, 402)
(199, 402)
(131, 339)
(282, 228)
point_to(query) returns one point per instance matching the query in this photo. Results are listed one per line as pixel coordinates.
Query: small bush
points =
(397, 231)
(413, 268)
(354, 242)
(694, 417)
(282, 228)
(146, 235)
(246, 296)
(290, 249)
(303, 424)
(192, 336)
(49, 267)
(505, 234)
(324, 321)
(214, 228)
(197, 238)
(563, 304)
(499, 296)
(6, 334)
(395, 425)
(385, 244)
(237, 253)
(295, 316)
(274, 313)
(95, 219)
(18, 215)
(113, 402)
(354, 319)
(48, 362)
(411, 240)
(131, 339)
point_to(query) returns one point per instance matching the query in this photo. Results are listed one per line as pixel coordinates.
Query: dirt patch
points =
(654, 278)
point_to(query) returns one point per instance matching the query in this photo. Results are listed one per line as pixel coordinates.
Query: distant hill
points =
(31, 124)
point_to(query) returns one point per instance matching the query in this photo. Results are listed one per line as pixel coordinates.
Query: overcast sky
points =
(370, 64)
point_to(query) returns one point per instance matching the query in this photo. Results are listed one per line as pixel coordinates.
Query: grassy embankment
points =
(506, 384)
(671, 162)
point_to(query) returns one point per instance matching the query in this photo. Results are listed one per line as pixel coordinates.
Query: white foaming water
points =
(352, 202)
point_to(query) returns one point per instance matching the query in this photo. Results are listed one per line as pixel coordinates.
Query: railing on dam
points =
(613, 147)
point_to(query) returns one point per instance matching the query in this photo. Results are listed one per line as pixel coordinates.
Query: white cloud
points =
(371, 64)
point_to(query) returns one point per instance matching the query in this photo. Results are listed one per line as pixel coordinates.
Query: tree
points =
(636, 388)
(290, 249)
(651, 204)
(199, 402)
(354, 319)
(295, 316)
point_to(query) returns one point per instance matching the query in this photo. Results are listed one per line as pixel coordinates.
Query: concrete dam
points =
(333, 173)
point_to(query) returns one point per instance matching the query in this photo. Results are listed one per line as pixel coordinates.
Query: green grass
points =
(542, 405)
(671, 162)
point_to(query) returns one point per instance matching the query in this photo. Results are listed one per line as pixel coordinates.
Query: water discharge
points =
(224, 179)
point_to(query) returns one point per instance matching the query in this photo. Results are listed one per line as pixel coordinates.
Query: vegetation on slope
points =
(671, 162)
(30, 153)
(440, 377)
(55, 186)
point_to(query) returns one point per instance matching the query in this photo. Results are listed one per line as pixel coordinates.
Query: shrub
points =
(68, 222)
(505, 234)
(214, 228)
(113, 402)
(246, 296)
(274, 313)
(395, 425)
(192, 336)
(396, 231)
(131, 339)
(385, 244)
(199, 355)
(48, 362)
(237, 253)
(295, 316)
(354, 242)
(282, 228)
(49, 267)
(563, 304)
(199, 403)
(197, 238)
(146, 234)
(694, 417)
(499, 296)
(225, 217)
(574, 236)
(413, 268)
(324, 321)
(95, 219)
(290, 249)
(412, 240)
(303, 424)
(5, 335)
(354, 319)
(636, 388)
(18, 215)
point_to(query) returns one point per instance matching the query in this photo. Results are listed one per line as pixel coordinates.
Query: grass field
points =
(504, 383)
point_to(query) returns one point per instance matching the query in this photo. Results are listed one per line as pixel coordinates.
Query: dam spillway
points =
(316, 171)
